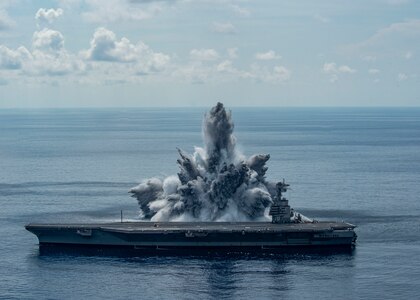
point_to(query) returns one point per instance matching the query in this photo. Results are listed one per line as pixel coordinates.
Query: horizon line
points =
(202, 106)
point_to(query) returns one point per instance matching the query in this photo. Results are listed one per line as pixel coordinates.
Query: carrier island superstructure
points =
(287, 230)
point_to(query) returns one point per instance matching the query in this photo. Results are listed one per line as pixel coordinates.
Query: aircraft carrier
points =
(288, 230)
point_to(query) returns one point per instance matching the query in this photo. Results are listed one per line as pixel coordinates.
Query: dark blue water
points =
(360, 165)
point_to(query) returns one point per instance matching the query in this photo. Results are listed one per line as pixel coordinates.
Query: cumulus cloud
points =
(346, 69)
(13, 59)
(226, 28)
(48, 56)
(104, 46)
(48, 40)
(110, 58)
(269, 55)
(44, 15)
(226, 66)
(281, 73)
(58, 65)
(204, 54)
(334, 70)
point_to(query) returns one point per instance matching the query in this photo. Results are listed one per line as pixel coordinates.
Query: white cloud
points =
(280, 74)
(48, 40)
(13, 59)
(204, 54)
(346, 69)
(48, 56)
(226, 28)
(54, 65)
(44, 15)
(402, 77)
(226, 66)
(269, 55)
(240, 10)
(334, 70)
(374, 71)
(104, 46)
(330, 68)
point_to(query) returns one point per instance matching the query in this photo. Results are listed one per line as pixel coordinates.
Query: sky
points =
(152, 53)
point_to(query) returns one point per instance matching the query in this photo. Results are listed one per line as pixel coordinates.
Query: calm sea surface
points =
(358, 165)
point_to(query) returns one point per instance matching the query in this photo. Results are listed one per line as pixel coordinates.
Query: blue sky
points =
(105, 53)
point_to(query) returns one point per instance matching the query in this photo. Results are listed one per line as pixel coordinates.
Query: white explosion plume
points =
(216, 183)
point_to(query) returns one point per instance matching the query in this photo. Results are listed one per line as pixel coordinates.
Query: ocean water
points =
(361, 165)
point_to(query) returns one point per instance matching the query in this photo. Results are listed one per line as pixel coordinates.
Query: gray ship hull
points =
(179, 236)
